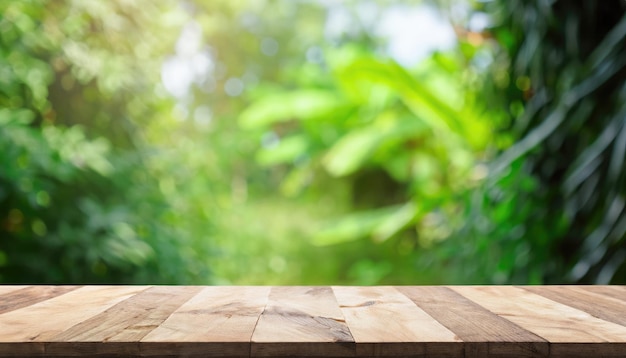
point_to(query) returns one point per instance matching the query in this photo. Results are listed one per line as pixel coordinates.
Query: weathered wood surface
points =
(302, 321)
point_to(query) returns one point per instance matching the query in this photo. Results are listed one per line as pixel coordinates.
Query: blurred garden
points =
(313, 142)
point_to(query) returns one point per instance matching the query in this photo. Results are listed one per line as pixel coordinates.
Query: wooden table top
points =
(303, 321)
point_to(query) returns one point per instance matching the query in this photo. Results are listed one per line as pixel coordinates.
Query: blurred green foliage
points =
(402, 145)
(213, 142)
(80, 195)
(567, 68)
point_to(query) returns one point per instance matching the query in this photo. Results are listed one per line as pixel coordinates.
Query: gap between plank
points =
(257, 322)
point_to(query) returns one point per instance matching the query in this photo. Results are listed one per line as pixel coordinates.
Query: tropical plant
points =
(405, 144)
(561, 67)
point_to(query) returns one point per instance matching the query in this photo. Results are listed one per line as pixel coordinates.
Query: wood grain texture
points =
(26, 329)
(595, 304)
(483, 332)
(381, 317)
(403, 321)
(131, 319)
(26, 296)
(218, 321)
(617, 292)
(302, 319)
(4, 289)
(571, 332)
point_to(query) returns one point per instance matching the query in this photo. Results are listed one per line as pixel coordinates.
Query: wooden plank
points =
(385, 322)
(131, 319)
(313, 321)
(26, 296)
(173, 298)
(4, 289)
(26, 329)
(598, 305)
(483, 332)
(218, 321)
(571, 332)
(617, 292)
(302, 319)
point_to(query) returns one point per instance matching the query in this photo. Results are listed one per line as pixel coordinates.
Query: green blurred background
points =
(312, 142)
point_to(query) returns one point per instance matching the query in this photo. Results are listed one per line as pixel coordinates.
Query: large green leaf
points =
(287, 150)
(352, 226)
(418, 97)
(395, 222)
(302, 104)
(353, 151)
